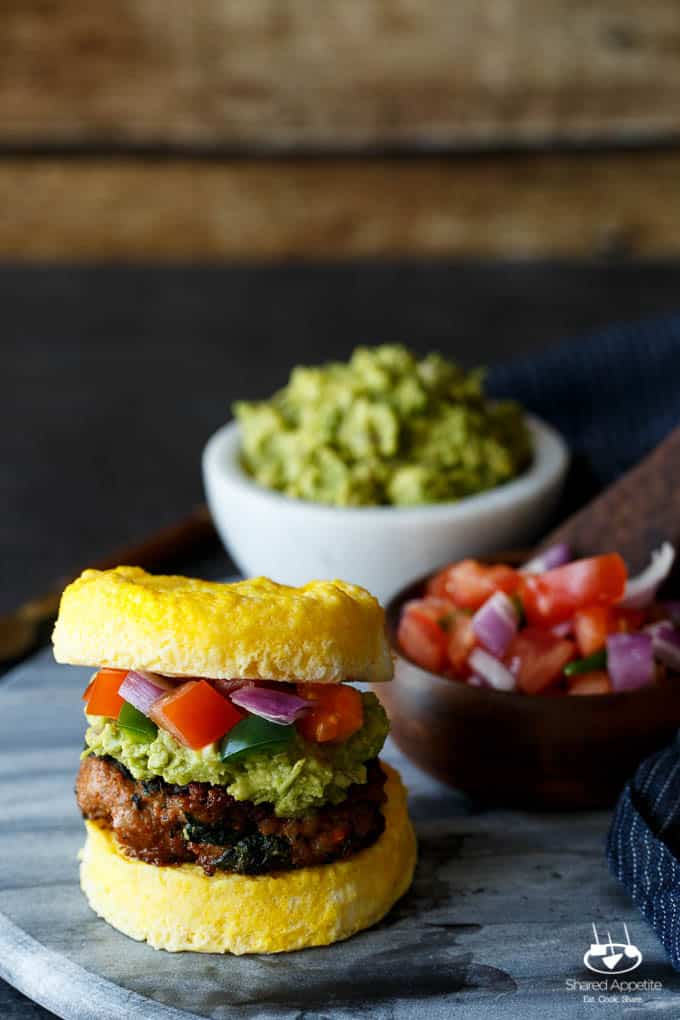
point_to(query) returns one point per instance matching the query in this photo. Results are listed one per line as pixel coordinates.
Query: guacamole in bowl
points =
(385, 428)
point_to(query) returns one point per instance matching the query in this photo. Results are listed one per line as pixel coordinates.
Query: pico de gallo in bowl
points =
(555, 625)
(488, 656)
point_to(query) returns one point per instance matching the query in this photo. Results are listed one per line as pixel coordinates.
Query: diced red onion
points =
(271, 705)
(555, 556)
(562, 630)
(490, 669)
(658, 626)
(229, 687)
(514, 664)
(477, 681)
(665, 643)
(672, 610)
(630, 661)
(141, 689)
(495, 623)
(640, 590)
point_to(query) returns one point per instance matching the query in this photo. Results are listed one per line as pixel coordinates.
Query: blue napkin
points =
(644, 829)
(613, 395)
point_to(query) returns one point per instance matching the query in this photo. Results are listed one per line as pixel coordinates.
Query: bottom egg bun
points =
(181, 908)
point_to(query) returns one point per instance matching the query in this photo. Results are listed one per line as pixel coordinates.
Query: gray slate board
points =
(498, 918)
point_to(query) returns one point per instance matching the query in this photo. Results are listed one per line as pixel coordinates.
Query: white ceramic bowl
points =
(383, 547)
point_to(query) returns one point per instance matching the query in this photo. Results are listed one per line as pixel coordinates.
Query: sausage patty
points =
(161, 823)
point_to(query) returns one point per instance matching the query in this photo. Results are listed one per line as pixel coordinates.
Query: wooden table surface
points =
(113, 378)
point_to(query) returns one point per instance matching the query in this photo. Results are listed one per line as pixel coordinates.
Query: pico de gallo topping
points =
(243, 715)
(553, 626)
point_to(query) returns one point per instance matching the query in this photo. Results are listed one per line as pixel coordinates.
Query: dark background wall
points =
(114, 378)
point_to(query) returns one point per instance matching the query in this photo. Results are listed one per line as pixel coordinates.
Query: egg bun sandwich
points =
(230, 782)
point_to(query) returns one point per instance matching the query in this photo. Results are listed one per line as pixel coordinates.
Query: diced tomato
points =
(436, 586)
(627, 621)
(596, 682)
(195, 714)
(102, 697)
(537, 659)
(423, 631)
(337, 712)
(461, 641)
(469, 584)
(555, 595)
(591, 627)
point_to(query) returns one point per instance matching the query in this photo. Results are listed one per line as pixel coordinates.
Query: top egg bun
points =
(323, 632)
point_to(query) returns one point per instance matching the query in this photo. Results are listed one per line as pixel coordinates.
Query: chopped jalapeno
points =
(255, 734)
(135, 723)
(521, 615)
(596, 661)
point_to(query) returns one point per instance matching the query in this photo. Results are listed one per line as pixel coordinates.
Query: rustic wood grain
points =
(298, 73)
(517, 206)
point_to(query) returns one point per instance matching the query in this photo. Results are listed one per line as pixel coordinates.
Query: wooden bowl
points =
(540, 751)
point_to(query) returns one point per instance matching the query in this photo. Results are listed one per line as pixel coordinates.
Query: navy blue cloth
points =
(644, 843)
(613, 395)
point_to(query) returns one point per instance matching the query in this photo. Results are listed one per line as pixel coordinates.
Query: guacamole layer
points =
(295, 780)
(384, 428)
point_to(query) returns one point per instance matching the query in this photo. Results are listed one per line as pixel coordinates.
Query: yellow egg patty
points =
(128, 619)
(181, 908)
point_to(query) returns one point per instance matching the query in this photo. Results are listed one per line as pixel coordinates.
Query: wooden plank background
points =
(613, 204)
(269, 129)
(286, 74)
